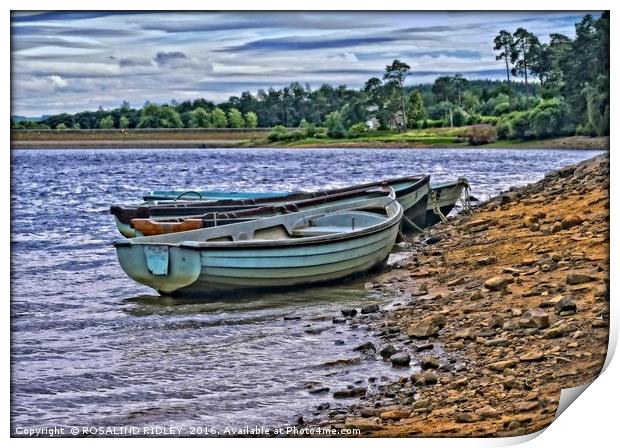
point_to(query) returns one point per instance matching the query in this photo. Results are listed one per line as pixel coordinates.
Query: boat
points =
(443, 198)
(215, 216)
(317, 245)
(412, 192)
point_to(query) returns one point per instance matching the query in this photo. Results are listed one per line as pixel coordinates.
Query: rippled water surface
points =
(91, 347)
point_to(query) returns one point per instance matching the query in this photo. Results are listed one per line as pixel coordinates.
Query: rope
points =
(436, 209)
(188, 192)
(464, 198)
(412, 224)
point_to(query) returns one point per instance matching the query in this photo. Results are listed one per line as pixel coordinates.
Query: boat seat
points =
(319, 231)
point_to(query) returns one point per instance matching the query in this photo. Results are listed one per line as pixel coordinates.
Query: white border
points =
(590, 421)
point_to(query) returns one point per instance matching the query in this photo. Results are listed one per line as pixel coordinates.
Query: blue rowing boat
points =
(317, 245)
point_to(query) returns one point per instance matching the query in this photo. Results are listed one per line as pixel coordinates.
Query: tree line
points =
(556, 88)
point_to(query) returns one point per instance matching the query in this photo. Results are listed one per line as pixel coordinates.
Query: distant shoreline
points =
(575, 143)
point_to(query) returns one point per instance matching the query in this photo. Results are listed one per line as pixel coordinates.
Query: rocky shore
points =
(495, 313)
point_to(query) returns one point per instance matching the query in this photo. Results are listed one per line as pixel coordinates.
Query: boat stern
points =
(162, 267)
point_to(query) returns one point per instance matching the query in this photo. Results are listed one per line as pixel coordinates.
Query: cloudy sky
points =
(73, 61)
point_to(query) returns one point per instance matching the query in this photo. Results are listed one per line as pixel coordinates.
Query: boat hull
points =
(195, 272)
(446, 196)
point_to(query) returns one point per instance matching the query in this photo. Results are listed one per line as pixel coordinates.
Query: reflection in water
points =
(91, 347)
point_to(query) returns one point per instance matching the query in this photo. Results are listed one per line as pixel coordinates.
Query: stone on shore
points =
(571, 221)
(498, 282)
(534, 318)
(352, 392)
(427, 327)
(368, 309)
(499, 366)
(388, 351)
(577, 278)
(400, 359)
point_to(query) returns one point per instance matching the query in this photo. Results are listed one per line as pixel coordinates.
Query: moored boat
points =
(307, 247)
(412, 192)
(442, 199)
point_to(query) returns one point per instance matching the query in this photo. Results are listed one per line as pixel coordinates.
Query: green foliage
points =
(218, 118)
(501, 109)
(61, 126)
(459, 117)
(415, 107)
(333, 123)
(309, 129)
(199, 118)
(235, 119)
(105, 123)
(278, 133)
(76, 126)
(123, 122)
(251, 120)
(154, 116)
(357, 130)
(547, 119)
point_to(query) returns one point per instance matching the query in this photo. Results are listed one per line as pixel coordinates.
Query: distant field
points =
(137, 134)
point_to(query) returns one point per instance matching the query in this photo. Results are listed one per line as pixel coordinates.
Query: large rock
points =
(400, 359)
(498, 282)
(427, 327)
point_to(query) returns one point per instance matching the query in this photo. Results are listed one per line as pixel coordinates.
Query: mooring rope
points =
(436, 208)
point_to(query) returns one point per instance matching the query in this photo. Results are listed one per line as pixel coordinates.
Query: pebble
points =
(400, 359)
(487, 412)
(465, 417)
(387, 351)
(368, 309)
(499, 366)
(352, 392)
(577, 278)
(556, 332)
(349, 312)
(367, 347)
(429, 362)
(565, 304)
(486, 261)
(395, 414)
(427, 327)
(534, 318)
(498, 282)
(571, 221)
(532, 356)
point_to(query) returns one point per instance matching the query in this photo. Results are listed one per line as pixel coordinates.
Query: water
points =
(91, 347)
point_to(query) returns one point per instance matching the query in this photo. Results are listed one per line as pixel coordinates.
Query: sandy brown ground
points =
(517, 297)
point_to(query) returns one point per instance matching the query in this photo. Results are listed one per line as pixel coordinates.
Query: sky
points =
(75, 61)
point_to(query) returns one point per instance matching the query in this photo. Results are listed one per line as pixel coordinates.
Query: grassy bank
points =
(258, 138)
